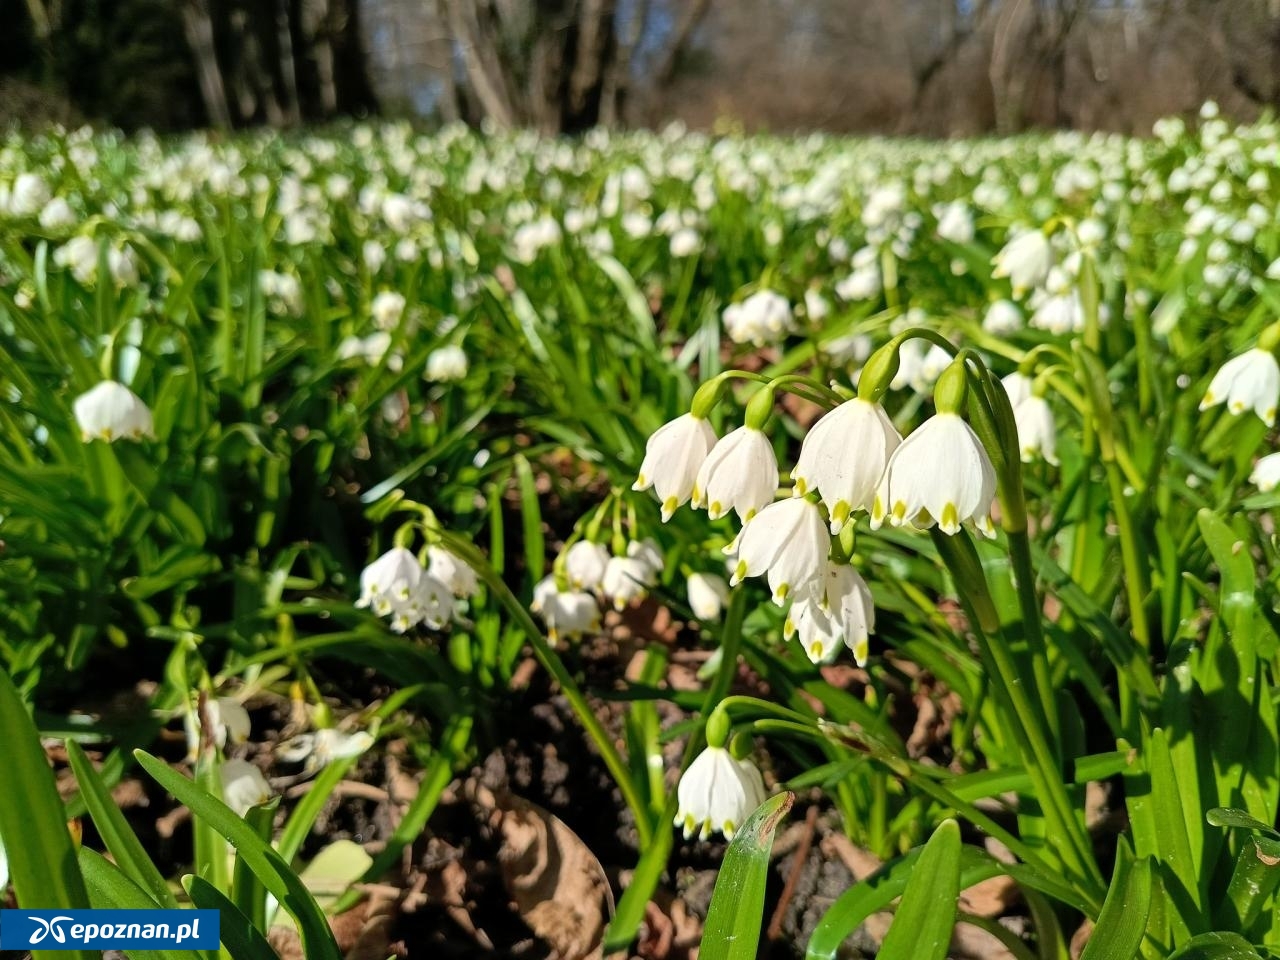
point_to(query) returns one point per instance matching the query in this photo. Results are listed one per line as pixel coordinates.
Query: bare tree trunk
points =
(617, 79)
(288, 65)
(1008, 83)
(198, 26)
(482, 65)
(595, 24)
(693, 12)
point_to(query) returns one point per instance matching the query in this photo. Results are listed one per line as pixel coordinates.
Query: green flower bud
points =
(952, 388)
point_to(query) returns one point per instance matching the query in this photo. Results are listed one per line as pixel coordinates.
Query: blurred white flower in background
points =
(446, 364)
(57, 215)
(1025, 260)
(1037, 433)
(585, 563)
(763, 318)
(1266, 473)
(397, 586)
(568, 614)
(1249, 380)
(28, 195)
(243, 786)
(1002, 318)
(110, 412)
(386, 309)
(708, 594)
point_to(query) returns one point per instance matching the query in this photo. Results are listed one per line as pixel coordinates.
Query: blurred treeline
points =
(932, 67)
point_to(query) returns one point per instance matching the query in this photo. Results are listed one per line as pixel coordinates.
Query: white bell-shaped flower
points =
(1018, 386)
(1037, 432)
(567, 613)
(843, 457)
(764, 317)
(1025, 260)
(451, 570)
(111, 411)
(672, 458)
(627, 579)
(243, 786)
(840, 609)
(717, 794)
(228, 720)
(584, 565)
(387, 308)
(740, 474)
(707, 595)
(810, 622)
(1002, 318)
(319, 749)
(788, 540)
(396, 586)
(649, 552)
(1248, 381)
(446, 365)
(940, 474)
(1266, 473)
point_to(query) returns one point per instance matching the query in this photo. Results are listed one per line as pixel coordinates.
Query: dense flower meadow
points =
(950, 464)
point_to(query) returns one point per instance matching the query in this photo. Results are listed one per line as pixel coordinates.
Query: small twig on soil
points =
(793, 877)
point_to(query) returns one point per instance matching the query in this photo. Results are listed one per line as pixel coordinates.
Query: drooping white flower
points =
(626, 579)
(707, 595)
(1059, 313)
(454, 572)
(80, 255)
(817, 308)
(940, 474)
(396, 586)
(57, 215)
(228, 722)
(319, 749)
(1002, 318)
(1018, 386)
(567, 613)
(1025, 260)
(111, 411)
(387, 308)
(1266, 473)
(955, 222)
(1037, 433)
(243, 786)
(28, 195)
(446, 364)
(787, 540)
(648, 551)
(584, 565)
(672, 458)
(843, 457)
(764, 317)
(685, 242)
(740, 474)
(839, 609)
(717, 794)
(1250, 380)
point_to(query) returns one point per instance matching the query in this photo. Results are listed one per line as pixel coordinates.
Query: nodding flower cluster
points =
(411, 589)
(587, 575)
(852, 461)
